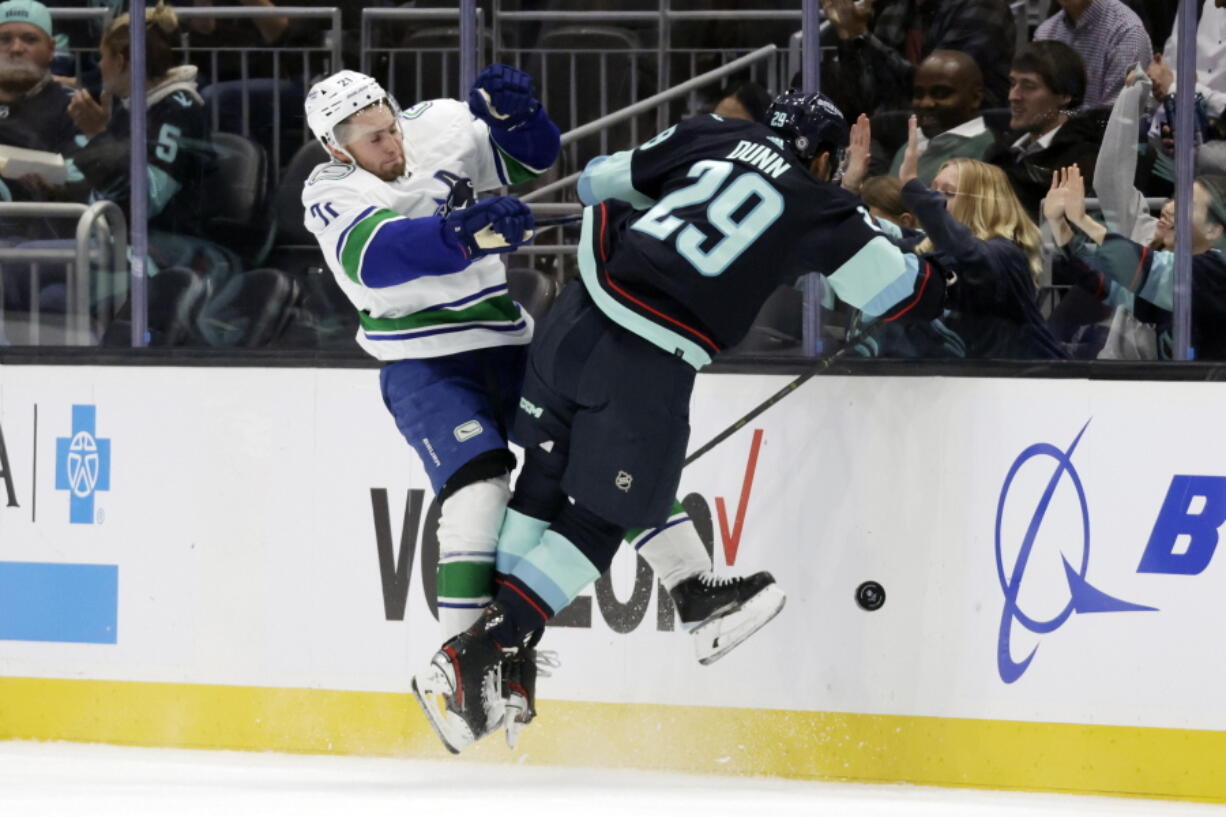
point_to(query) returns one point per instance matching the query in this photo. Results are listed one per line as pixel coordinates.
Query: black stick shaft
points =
(557, 220)
(770, 401)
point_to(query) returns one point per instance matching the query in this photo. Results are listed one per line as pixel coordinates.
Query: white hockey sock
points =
(467, 539)
(673, 550)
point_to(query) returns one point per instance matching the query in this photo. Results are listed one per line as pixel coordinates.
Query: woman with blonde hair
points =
(977, 228)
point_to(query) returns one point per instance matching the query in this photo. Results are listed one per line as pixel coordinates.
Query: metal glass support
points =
(138, 170)
(1185, 170)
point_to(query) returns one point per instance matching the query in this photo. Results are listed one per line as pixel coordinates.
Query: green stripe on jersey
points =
(517, 172)
(466, 580)
(499, 309)
(358, 238)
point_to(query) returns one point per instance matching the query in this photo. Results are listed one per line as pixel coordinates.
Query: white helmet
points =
(336, 98)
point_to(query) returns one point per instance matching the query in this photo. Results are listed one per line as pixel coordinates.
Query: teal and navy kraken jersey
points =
(692, 231)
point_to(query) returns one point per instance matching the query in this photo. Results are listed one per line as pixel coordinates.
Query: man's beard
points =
(19, 76)
(392, 173)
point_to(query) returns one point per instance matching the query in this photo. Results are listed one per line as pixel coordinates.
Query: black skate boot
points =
(519, 674)
(721, 612)
(461, 690)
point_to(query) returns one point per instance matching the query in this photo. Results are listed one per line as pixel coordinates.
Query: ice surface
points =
(66, 780)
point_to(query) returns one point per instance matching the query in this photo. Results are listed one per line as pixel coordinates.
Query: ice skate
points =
(721, 613)
(519, 687)
(461, 690)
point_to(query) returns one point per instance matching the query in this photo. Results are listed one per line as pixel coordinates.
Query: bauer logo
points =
(1041, 479)
(83, 465)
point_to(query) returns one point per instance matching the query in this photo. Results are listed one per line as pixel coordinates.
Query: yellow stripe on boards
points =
(1170, 763)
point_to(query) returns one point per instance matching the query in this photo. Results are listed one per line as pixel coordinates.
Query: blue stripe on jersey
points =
(499, 165)
(467, 298)
(612, 179)
(1159, 287)
(404, 250)
(340, 242)
(535, 144)
(877, 277)
(422, 333)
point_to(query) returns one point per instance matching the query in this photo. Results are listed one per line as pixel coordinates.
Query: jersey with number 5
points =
(695, 228)
(179, 149)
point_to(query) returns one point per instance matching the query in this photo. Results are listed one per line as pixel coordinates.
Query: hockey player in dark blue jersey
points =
(683, 240)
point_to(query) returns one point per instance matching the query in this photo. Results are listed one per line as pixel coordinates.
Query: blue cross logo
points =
(82, 464)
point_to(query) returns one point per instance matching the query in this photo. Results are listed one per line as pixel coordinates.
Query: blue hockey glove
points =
(503, 97)
(493, 225)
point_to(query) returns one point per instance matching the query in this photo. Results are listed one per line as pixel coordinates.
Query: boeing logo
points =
(1082, 596)
(82, 464)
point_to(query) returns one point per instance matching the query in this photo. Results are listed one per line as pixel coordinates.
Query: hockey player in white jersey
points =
(397, 217)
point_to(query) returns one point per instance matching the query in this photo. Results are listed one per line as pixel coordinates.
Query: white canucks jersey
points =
(416, 297)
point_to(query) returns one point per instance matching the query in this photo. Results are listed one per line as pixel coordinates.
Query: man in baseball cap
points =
(33, 106)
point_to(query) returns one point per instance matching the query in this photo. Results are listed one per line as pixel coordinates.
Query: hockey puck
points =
(870, 596)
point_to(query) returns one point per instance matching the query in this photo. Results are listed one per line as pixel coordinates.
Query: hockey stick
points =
(557, 221)
(821, 366)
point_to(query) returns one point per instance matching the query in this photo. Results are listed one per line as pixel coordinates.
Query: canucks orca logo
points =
(82, 464)
(1082, 596)
(460, 193)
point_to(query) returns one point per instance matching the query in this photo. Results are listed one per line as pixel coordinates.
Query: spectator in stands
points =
(882, 59)
(883, 196)
(1210, 61)
(242, 63)
(1047, 85)
(33, 106)
(946, 100)
(179, 149)
(1109, 37)
(749, 100)
(1112, 261)
(977, 228)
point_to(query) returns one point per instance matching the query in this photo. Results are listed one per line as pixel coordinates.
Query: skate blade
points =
(515, 707)
(430, 688)
(715, 638)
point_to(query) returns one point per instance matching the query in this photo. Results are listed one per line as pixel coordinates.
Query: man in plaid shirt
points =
(882, 60)
(1110, 38)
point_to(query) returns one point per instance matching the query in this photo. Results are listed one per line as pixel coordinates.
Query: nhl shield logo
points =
(623, 481)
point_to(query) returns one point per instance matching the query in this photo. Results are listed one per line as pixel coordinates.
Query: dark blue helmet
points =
(810, 124)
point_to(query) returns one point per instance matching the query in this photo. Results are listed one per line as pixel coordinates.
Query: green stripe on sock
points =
(632, 535)
(466, 579)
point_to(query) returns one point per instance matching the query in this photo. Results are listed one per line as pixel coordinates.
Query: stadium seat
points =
(175, 296)
(236, 194)
(288, 200)
(322, 318)
(250, 310)
(531, 289)
(778, 327)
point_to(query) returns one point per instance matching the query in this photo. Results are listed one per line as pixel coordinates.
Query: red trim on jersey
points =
(1136, 276)
(609, 280)
(525, 597)
(604, 221)
(919, 296)
(600, 240)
